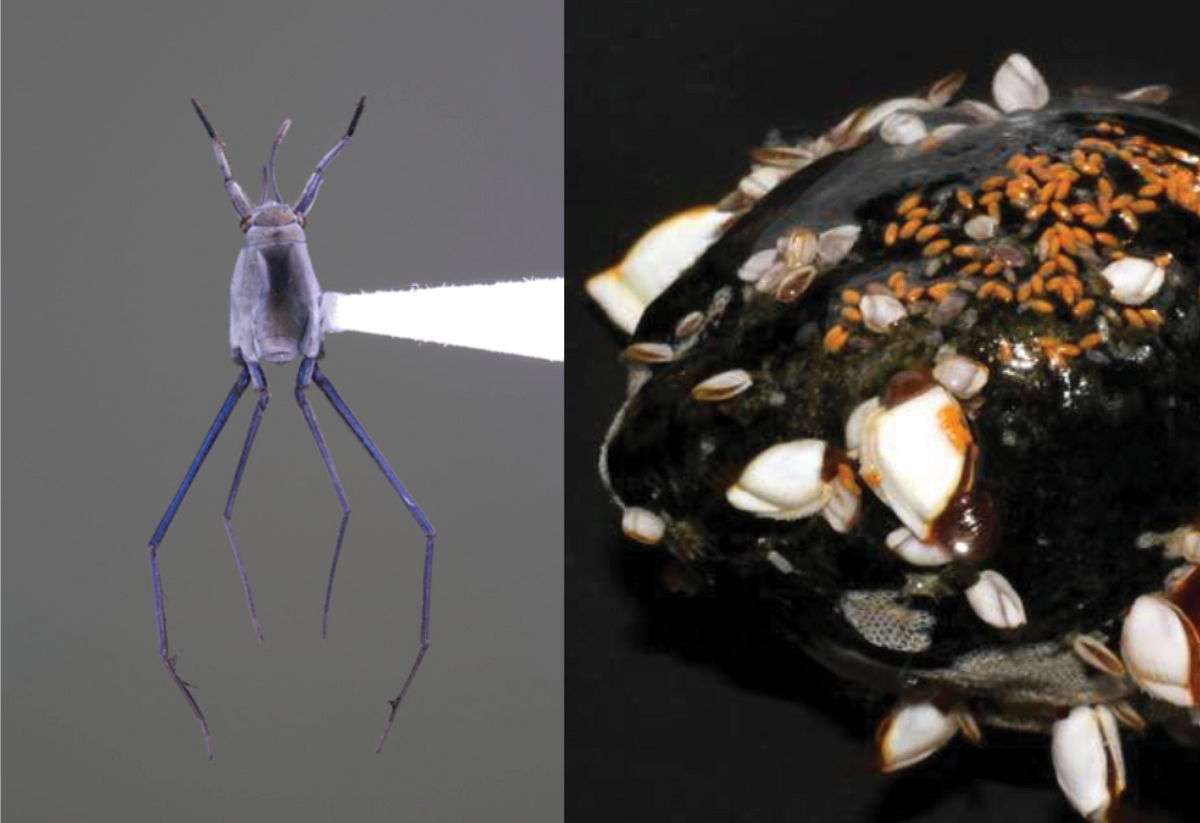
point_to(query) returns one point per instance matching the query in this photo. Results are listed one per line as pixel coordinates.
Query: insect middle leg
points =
(168, 661)
(264, 397)
(302, 380)
(310, 370)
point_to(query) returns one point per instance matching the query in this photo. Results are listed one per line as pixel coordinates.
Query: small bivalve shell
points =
(862, 122)
(1019, 85)
(915, 551)
(643, 525)
(798, 247)
(914, 454)
(1154, 95)
(1185, 543)
(981, 227)
(963, 376)
(722, 386)
(941, 92)
(881, 311)
(761, 180)
(654, 263)
(996, 602)
(649, 353)
(1097, 655)
(794, 283)
(833, 245)
(1161, 649)
(1134, 280)
(757, 265)
(913, 732)
(980, 111)
(903, 129)
(1088, 761)
(857, 423)
(783, 482)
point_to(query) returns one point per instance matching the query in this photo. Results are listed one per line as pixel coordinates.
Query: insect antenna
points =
(274, 148)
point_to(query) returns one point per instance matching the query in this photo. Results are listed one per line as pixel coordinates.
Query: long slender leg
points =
(236, 196)
(301, 382)
(168, 661)
(413, 509)
(309, 195)
(264, 397)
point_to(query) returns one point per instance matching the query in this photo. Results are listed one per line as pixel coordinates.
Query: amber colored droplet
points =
(968, 526)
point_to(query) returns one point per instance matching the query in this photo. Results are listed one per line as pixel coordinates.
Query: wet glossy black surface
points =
(1079, 457)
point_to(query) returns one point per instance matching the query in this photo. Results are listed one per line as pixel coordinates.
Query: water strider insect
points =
(275, 317)
(929, 383)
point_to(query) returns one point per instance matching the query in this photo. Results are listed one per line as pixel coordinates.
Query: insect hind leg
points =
(310, 367)
(169, 661)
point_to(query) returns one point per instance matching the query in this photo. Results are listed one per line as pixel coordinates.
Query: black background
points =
(676, 710)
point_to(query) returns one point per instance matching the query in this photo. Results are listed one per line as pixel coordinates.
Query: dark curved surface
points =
(679, 709)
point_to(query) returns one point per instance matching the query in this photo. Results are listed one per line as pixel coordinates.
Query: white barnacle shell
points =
(1088, 762)
(963, 376)
(995, 601)
(643, 525)
(834, 244)
(913, 731)
(1161, 649)
(784, 482)
(903, 129)
(1134, 280)
(881, 311)
(1019, 85)
(914, 454)
(723, 386)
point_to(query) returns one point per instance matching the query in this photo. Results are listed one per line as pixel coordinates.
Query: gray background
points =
(118, 247)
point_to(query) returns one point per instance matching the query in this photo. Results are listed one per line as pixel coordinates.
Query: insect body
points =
(275, 317)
